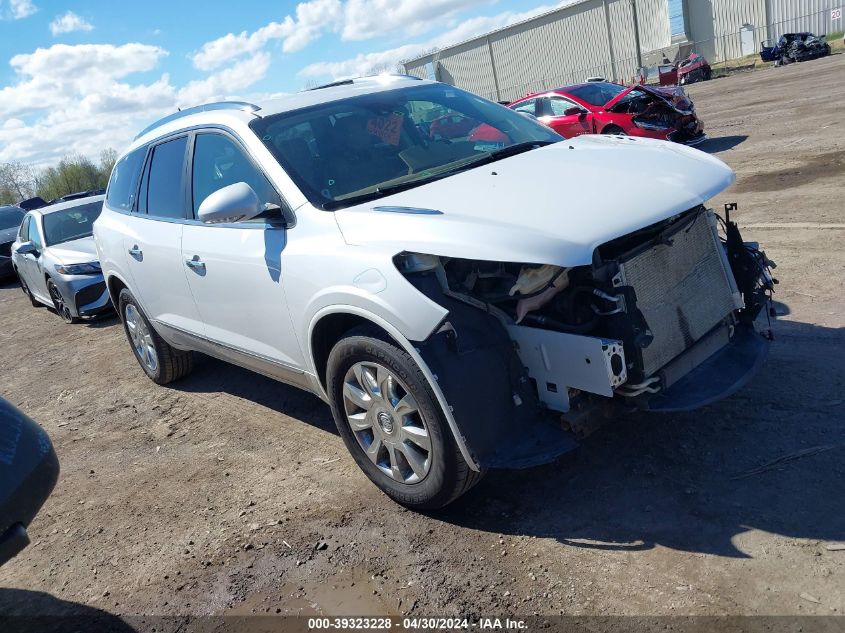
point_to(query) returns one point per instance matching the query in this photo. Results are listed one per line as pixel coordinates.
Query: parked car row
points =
(453, 292)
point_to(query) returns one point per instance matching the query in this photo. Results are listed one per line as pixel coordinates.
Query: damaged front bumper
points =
(682, 336)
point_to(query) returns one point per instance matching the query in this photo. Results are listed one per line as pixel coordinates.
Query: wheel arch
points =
(328, 327)
(611, 126)
(115, 284)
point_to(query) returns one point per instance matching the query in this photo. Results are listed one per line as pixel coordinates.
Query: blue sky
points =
(83, 75)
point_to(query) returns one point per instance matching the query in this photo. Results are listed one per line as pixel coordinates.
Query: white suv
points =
(462, 285)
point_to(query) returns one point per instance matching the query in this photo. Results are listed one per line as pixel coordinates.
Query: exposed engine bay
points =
(652, 306)
(661, 109)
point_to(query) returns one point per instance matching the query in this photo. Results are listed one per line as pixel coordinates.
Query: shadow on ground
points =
(721, 143)
(694, 481)
(212, 376)
(24, 611)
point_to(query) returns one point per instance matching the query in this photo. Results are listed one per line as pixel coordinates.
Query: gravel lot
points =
(230, 493)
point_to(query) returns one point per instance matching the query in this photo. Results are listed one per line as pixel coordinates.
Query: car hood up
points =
(79, 251)
(552, 205)
(673, 96)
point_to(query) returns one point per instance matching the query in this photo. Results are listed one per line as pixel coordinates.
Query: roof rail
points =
(342, 82)
(349, 82)
(207, 107)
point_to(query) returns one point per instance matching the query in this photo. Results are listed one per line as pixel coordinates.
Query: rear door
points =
(27, 264)
(569, 125)
(153, 239)
(235, 271)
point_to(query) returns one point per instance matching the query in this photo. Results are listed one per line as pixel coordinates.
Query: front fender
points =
(412, 351)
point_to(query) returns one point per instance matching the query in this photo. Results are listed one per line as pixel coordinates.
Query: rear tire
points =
(615, 130)
(410, 453)
(161, 362)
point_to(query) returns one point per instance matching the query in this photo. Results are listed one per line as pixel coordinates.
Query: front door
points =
(153, 240)
(568, 125)
(235, 271)
(29, 265)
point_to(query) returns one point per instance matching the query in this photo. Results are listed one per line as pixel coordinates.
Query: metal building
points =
(615, 39)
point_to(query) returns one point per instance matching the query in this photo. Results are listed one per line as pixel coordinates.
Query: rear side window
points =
(124, 181)
(164, 183)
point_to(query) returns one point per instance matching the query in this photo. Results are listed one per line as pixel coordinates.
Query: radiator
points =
(684, 288)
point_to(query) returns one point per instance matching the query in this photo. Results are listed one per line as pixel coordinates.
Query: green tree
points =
(17, 182)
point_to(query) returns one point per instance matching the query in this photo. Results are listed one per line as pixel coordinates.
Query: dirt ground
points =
(230, 493)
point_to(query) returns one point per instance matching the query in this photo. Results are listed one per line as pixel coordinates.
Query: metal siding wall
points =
(653, 20)
(728, 17)
(553, 51)
(562, 47)
(790, 16)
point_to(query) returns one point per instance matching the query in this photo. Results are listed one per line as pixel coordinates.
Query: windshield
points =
(71, 224)
(10, 218)
(347, 151)
(596, 94)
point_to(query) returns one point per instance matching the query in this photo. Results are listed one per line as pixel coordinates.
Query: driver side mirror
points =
(27, 248)
(573, 111)
(235, 203)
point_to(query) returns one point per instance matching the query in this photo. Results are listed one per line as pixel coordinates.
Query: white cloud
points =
(352, 19)
(19, 9)
(311, 20)
(83, 98)
(388, 60)
(68, 23)
(365, 19)
(225, 83)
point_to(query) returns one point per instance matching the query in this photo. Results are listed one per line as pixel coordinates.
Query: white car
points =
(461, 304)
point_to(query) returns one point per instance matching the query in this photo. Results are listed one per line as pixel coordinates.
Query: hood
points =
(552, 205)
(79, 251)
(673, 96)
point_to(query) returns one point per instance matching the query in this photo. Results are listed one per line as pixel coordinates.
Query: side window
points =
(23, 235)
(560, 105)
(124, 181)
(34, 234)
(164, 181)
(220, 162)
(527, 107)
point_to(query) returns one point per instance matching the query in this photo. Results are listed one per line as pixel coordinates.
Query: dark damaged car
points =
(665, 113)
(795, 47)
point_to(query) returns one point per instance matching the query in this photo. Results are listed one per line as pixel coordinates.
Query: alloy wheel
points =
(140, 337)
(59, 303)
(387, 422)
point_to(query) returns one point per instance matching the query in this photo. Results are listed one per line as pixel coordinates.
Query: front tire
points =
(161, 362)
(392, 424)
(59, 303)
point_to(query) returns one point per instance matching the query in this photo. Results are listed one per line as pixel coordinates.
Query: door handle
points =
(195, 263)
(136, 252)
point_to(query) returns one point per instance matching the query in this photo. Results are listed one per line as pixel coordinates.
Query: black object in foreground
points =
(29, 469)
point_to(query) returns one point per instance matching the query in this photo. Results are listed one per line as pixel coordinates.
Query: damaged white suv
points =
(461, 303)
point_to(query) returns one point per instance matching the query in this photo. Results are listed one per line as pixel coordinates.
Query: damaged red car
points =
(608, 108)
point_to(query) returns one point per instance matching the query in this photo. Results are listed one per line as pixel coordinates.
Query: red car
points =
(693, 68)
(607, 108)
